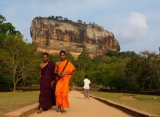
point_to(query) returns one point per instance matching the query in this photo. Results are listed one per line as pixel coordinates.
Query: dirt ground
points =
(81, 107)
(127, 97)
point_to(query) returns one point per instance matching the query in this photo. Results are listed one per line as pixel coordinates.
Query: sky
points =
(134, 23)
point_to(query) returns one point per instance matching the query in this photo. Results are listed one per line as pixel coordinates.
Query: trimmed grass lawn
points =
(146, 103)
(10, 101)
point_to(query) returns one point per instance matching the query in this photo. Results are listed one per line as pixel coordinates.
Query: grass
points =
(146, 103)
(10, 101)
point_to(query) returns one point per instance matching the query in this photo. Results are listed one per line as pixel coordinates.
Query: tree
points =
(126, 54)
(54, 58)
(60, 17)
(29, 65)
(142, 69)
(19, 60)
(20, 55)
(93, 23)
(111, 53)
(79, 21)
(6, 29)
(70, 57)
(66, 19)
(2, 19)
(5, 77)
(78, 78)
(112, 75)
(83, 61)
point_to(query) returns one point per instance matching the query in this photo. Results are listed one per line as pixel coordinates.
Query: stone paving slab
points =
(81, 107)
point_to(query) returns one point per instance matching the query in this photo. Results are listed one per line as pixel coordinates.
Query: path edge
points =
(23, 112)
(130, 110)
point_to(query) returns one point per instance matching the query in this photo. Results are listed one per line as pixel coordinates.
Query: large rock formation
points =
(53, 35)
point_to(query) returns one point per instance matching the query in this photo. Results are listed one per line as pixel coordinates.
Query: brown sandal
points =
(62, 110)
(39, 111)
(58, 109)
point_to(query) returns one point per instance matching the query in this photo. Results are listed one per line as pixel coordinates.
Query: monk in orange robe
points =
(64, 70)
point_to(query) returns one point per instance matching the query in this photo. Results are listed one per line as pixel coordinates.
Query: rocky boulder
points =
(53, 35)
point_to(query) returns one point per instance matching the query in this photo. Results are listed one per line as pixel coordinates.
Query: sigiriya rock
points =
(55, 34)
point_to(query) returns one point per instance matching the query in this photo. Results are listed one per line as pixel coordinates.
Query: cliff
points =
(53, 35)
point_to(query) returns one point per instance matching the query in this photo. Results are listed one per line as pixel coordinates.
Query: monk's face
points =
(63, 56)
(45, 58)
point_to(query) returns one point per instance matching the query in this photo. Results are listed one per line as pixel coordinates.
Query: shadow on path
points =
(79, 97)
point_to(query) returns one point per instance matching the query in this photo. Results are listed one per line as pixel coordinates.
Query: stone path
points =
(81, 107)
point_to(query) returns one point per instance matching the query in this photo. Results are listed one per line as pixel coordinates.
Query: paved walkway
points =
(81, 107)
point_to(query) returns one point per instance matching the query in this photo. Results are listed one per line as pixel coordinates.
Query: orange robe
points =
(62, 87)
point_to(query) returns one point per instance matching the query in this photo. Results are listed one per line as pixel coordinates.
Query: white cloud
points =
(133, 26)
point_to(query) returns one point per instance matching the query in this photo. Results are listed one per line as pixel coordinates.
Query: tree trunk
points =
(150, 87)
(143, 85)
(14, 87)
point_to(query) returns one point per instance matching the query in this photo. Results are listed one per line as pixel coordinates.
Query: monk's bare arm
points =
(55, 69)
(40, 70)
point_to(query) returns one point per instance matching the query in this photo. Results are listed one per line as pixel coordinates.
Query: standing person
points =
(64, 70)
(46, 82)
(86, 87)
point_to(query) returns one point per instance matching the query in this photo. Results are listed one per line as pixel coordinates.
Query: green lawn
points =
(10, 101)
(146, 103)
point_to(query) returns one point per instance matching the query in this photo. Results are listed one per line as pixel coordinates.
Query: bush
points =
(6, 83)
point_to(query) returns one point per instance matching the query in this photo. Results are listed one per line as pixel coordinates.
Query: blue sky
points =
(135, 23)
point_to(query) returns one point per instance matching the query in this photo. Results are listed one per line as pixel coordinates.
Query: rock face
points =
(53, 35)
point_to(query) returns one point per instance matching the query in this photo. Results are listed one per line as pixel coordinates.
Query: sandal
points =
(39, 111)
(58, 109)
(62, 110)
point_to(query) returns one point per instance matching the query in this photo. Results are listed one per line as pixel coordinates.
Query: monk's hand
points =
(52, 83)
(59, 74)
(57, 77)
(63, 74)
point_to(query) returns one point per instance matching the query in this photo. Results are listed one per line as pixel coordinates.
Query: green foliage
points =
(132, 84)
(124, 71)
(6, 82)
(70, 57)
(83, 62)
(112, 53)
(78, 78)
(126, 54)
(112, 75)
(144, 70)
(18, 59)
(54, 58)
(22, 63)
(6, 29)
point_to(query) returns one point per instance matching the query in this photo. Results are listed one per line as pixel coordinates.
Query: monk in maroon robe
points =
(46, 97)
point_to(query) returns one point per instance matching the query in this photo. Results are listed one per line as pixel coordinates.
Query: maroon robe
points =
(46, 93)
